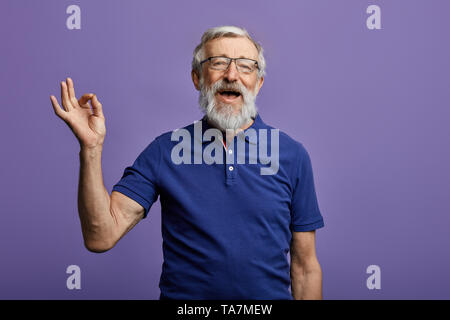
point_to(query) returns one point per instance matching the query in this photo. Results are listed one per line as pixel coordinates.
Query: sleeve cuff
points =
(309, 227)
(133, 195)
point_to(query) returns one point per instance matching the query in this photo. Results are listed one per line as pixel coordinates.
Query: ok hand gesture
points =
(88, 126)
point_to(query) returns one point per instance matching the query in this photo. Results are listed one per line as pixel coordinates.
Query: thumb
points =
(97, 107)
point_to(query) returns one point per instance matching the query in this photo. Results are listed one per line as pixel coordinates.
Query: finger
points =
(83, 102)
(65, 97)
(97, 107)
(72, 97)
(58, 111)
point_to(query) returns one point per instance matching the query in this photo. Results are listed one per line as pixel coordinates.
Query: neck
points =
(245, 126)
(232, 133)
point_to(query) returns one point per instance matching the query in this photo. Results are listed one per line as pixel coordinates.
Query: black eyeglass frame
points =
(230, 60)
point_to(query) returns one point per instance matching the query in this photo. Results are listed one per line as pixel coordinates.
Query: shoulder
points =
(166, 140)
(166, 137)
(293, 156)
(291, 147)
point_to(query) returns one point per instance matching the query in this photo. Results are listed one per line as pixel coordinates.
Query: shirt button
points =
(230, 168)
(230, 151)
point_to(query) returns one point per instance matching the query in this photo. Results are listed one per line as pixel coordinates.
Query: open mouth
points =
(229, 94)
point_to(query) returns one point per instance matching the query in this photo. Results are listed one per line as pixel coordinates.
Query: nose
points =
(232, 74)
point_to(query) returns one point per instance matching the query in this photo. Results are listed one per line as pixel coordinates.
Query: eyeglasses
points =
(243, 65)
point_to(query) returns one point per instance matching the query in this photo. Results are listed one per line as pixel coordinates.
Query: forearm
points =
(306, 282)
(94, 202)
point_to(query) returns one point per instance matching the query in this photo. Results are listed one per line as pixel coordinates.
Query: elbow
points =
(97, 247)
(98, 242)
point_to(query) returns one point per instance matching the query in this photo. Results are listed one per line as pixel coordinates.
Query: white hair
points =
(226, 31)
(222, 115)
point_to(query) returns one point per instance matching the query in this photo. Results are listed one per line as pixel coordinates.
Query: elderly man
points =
(226, 227)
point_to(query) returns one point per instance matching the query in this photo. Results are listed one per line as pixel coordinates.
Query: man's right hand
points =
(88, 126)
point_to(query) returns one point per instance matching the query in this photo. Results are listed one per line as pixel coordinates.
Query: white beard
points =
(222, 115)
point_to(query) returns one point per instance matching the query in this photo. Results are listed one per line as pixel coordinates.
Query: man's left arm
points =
(306, 274)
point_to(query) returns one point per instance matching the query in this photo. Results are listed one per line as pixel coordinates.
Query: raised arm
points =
(104, 218)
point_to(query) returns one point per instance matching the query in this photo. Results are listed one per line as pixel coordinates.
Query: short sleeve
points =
(305, 211)
(140, 181)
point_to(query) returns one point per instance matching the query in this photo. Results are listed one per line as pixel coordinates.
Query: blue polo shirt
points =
(226, 227)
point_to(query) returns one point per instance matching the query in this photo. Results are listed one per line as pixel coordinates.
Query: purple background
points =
(370, 106)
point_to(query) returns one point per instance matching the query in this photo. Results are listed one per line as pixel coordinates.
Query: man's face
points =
(236, 47)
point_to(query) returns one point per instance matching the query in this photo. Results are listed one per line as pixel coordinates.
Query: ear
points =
(259, 84)
(195, 79)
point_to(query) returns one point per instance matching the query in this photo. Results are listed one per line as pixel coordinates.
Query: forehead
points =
(236, 47)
